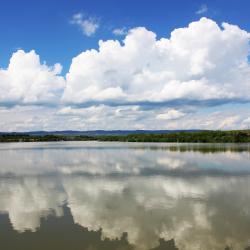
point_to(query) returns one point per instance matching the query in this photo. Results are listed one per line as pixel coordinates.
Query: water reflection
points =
(56, 201)
(93, 158)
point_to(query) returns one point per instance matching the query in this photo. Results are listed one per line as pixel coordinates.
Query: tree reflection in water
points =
(86, 196)
(61, 233)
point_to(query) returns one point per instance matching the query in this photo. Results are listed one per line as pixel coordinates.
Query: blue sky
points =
(45, 27)
(141, 81)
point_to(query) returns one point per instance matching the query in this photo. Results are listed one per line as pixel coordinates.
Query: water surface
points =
(105, 195)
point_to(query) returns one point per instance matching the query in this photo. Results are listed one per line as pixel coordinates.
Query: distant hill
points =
(97, 132)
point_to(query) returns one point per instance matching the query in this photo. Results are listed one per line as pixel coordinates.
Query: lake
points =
(105, 195)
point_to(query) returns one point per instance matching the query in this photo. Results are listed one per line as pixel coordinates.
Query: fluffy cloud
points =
(27, 81)
(202, 10)
(190, 66)
(27, 118)
(120, 31)
(88, 26)
(137, 80)
(170, 115)
(247, 122)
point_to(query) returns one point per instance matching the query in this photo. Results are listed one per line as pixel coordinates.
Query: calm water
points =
(95, 195)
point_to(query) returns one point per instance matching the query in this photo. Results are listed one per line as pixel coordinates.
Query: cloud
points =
(170, 114)
(133, 82)
(202, 9)
(27, 118)
(229, 122)
(187, 67)
(246, 122)
(120, 32)
(27, 81)
(88, 25)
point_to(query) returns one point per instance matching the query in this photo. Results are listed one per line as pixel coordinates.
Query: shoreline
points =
(235, 136)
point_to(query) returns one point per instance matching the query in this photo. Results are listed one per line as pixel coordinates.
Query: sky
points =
(87, 65)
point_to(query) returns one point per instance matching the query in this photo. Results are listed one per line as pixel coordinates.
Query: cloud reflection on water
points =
(199, 211)
(95, 158)
(211, 211)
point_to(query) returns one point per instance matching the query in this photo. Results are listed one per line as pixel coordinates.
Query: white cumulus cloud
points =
(88, 25)
(27, 81)
(144, 77)
(170, 114)
(120, 31)
(189, 66)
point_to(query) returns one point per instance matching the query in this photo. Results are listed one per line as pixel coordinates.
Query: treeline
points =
(35, 138)
(196, 137)
(235, 136)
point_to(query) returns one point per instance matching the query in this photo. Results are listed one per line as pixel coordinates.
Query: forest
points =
(208, 136)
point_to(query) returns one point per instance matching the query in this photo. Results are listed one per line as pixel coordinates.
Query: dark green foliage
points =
(234, 136)
(196, 137)
(28, 138)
